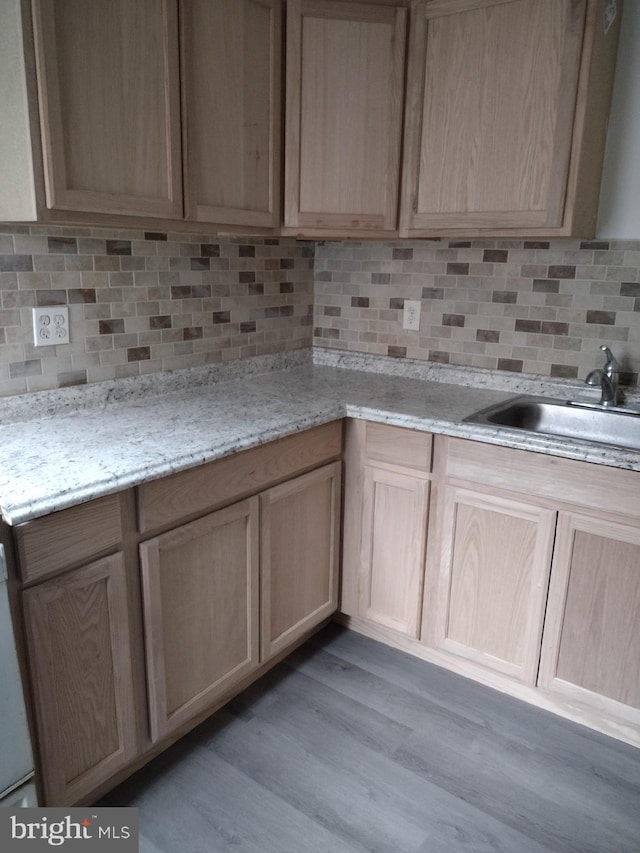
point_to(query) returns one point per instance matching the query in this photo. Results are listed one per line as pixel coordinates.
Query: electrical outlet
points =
(411, 315)
(51, 326)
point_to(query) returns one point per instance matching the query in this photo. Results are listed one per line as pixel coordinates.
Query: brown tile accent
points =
(527, 326)
(249, 326)
(210, 250)
(246, 277)
(546, 285)
(111, 327)
(359, 301)
(160, 321)
(86, 295)
(552, 328)
(595, 244)
(247, 251)
(453, 319)
(514, 365)
(402, 254)
(221, 317)
(191, 333)
(138, 353)
(562, 271)
(256, 288)
(439, 357)
(455, 268)
(332, 311)
(488, 336)
(459, 244)
(159, 236)
(564, 371)
(326, 333)
(495, 256)
(601, 318)
(181, 291)
(62, 245)
(285, 287)
(507, 297)
(397, 352)
(51, 297)
(31, 367)
(396, 303)
(71, 378)
(286, 263)
(629, 288)
(433, 293)
(380, 278)
(16, 263)
(119, 247)
(536, 244)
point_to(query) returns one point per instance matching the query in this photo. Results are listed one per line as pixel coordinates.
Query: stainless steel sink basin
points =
(614, 426)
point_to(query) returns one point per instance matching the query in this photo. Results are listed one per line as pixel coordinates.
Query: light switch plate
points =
(51, 325)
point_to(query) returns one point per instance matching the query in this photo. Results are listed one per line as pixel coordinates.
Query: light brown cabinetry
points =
(388, 481)
(143, 117)
(299, 556)
(507, 104)
(591, 648)
(345, 94)
(200, 592)
(79, 648)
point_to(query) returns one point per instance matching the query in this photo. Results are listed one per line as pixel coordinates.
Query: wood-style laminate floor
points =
(352, 746)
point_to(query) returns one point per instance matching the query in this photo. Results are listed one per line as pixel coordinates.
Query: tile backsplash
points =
(141, 302)
(529, 306)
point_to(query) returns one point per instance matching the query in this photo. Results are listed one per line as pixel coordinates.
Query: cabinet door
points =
(394, 530)
(79, 648)
(231, 110)
(200, 592)
(300, 535)
(591, 643)
(345, 80)
(491, 97)
(109, 101)
(494, 573)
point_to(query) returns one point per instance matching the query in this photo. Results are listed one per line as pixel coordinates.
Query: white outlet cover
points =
(51, 325)
(411, 315)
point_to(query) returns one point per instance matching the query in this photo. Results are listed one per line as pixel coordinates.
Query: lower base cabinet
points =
(82, 684)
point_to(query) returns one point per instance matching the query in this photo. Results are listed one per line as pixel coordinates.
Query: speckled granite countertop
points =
(58, 449)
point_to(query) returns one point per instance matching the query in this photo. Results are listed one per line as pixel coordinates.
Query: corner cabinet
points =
(344, 108)
(506, 117)
(167, 110)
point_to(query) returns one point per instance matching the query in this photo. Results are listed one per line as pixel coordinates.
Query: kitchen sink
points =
(619, 427)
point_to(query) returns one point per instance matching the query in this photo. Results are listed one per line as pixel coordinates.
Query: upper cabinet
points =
(166, 109)
(507, 104)
(231, 110)
(109, 99)
(344, 84)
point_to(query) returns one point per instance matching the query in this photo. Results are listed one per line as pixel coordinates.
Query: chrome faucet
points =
(607, 378)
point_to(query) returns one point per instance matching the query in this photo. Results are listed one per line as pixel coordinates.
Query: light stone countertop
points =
(74, 446)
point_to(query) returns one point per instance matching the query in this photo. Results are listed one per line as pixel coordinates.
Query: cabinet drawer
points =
(215, 484)
(68, 538)
(398, 446)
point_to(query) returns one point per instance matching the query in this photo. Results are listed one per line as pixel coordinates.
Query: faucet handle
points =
(612, 364)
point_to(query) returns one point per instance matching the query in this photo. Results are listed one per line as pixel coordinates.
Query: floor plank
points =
(352, 746)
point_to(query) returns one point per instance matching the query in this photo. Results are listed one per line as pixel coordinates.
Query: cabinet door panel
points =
(494, 573)
(495, 85)
(591, 648)
(231, 109)
(201, 612)
(300, 534)
(109, 100)
(345, 78)
(79, 645)
(394, 530)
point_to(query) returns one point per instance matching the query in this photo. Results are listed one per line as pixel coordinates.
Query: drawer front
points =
(398, 446)
(68, 538)
(215, 484)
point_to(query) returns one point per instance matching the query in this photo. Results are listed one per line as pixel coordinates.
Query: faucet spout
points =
(607, 378)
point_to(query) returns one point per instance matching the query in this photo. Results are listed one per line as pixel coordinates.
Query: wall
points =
(619, 214)
(145, 302)
(534, 307)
